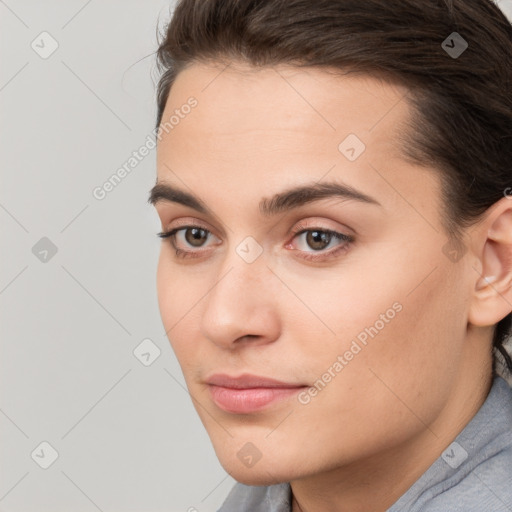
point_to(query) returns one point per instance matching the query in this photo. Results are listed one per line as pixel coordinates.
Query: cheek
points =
(398, 362)
(179, 301)
(390, 343)
(173, 298)
(165, 286)
(176, 292)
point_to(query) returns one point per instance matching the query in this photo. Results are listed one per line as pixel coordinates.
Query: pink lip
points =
(248, 393)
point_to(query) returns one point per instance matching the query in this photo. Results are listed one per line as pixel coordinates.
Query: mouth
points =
(249, 393)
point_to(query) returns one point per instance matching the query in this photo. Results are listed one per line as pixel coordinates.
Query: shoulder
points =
(488, 486)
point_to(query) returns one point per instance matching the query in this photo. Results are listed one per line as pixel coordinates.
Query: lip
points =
(248, 393)
(247, 380)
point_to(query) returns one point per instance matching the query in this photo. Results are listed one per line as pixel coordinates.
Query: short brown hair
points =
(462, 104)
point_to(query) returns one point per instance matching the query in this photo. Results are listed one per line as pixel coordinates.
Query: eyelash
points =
(323, 256)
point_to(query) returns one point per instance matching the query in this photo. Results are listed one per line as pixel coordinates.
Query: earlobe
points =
(492, 297)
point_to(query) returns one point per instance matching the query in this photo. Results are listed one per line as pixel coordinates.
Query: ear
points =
(492, 295)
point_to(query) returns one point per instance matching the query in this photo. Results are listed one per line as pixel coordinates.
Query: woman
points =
(335, 276)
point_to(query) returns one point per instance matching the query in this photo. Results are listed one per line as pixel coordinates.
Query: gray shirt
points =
(473, 474)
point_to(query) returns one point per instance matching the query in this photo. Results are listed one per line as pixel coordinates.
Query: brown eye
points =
(195, 236)
(184, 240)
(318, 240)
(313, 242)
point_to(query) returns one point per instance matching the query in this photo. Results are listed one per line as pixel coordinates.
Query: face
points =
(342, 293)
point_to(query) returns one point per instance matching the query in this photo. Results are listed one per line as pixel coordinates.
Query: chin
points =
(253, 476)
(261, 473)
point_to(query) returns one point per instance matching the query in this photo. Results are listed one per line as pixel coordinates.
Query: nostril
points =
(247, 336)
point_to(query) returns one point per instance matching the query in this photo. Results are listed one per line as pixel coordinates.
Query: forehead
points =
(258, 129)
(237, 97)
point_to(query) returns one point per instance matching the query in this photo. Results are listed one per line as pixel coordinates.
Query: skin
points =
(376, 427)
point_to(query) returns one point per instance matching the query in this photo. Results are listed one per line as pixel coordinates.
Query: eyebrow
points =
(278, 203)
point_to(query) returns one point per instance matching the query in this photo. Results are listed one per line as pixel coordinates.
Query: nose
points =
(242, 305)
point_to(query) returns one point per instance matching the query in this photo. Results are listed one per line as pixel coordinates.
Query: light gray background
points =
(127, 436)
